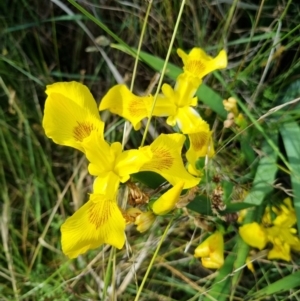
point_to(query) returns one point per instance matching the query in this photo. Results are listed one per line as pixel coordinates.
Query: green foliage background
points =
(41, 183)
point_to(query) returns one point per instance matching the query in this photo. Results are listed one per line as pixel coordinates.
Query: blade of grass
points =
(290, 133)
(282, 285)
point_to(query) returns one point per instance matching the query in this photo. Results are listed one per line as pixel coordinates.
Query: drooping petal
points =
(168, 200)
(198, 64)
(97, 222)
(70, 114)
(165, 159)
(254, 235)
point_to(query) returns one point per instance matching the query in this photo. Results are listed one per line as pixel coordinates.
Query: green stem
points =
(164, 69)
(153, 259)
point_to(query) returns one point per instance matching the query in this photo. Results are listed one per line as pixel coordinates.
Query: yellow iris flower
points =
(197, 63)
(70, 114)
(211, 251)
(110, 164)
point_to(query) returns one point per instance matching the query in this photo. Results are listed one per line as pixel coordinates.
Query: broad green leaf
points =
(265, 175)
(290, 133)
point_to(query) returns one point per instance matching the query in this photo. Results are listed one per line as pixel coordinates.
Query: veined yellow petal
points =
(68, 121)
(119, 100)
(198, 64)
(168, 200)
(165, 159)
(97, 222)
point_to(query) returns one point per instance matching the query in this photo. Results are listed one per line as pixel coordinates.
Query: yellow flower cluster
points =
(71, 118)
(278, 231)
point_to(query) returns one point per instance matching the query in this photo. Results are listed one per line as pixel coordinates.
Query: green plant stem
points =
(140, 44)
(153, 259)
(127, 124)
(164, 69)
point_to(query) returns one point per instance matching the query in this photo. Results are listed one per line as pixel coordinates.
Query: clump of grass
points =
(41, 183)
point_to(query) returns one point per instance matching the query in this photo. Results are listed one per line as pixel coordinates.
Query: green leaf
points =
(290, 133)
(220, 289)
(265, 175)
(150, 179)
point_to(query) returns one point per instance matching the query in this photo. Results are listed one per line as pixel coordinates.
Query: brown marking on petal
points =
(195, 66)
(137, 108)
(82, 130)
(162, 159)
(199, 140)
(96, 218)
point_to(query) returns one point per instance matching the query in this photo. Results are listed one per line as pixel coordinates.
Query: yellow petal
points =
(97, 222)
(77, 92)
(254, 235)
(100, 154)
(70, 114)
(165, 159)
(201, 145)
(210, 264)
(280, 251)
(106, 160)
(188, 120)
(168, 200)
(211, 251)
(107, 184)
(129, 162)
(144, 221)
(198, 64)
(182, 94)
(119, 100)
